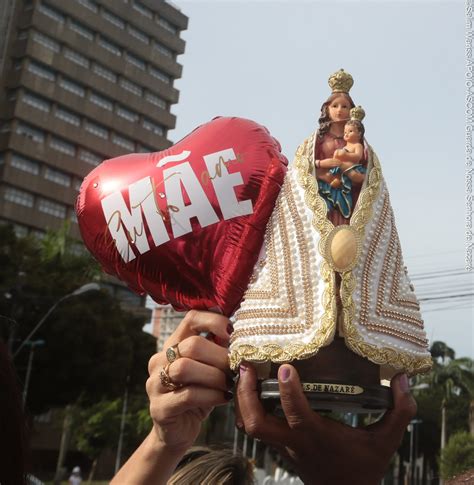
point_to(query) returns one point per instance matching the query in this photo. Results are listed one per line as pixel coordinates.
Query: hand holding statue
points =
(324, 451)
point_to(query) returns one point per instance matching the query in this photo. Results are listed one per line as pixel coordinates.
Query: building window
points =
(92, 6)
(168, 25)
(81, 29)
(153, 127)
(139, 7)
(77, 184)
(72, 87)
(78, 249)
(89, 157)
(127, 114)
(156, 100)
(41, 71)
(20, 231)
(96, 129)
(101, 101)
(67, 116)
(123, 142)
(24, 164)
(62, 146)
(52, 208)
(36, 102)
(6, 127)
(110, 46)
(162, 49)
(17, 64)
(47, 42)
(52, 13)
(104, 72)
(159, 74)
(75, 57)
(136, 61)
(57, 177)
(40, 235)
(23, 34)
(30, 132)
(138, 34)
(19, 197)
(113, 19)
(145, 149)
(132, 87)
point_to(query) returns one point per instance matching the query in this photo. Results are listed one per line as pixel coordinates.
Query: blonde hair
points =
(206, 466)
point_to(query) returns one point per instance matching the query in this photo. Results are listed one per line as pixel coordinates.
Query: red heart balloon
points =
(186, 225)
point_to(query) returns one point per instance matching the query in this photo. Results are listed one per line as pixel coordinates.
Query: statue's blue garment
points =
(340, 198)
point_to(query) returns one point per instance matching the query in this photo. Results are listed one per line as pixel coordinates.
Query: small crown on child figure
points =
(340, 82)
(357, 113)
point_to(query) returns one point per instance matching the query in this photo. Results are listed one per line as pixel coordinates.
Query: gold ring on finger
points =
(166, 379)
(172, 353)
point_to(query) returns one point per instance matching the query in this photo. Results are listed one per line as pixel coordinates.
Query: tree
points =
(439, 350)
(456, 377)
(97, 428)
(91, 344)
(458, 455)
(446, 391)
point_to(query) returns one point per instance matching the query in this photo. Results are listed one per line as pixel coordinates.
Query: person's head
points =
(354, 131)
(335, 109)
(216, 466)
(76, 470)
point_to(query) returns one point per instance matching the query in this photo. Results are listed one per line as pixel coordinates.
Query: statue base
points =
(335, 379)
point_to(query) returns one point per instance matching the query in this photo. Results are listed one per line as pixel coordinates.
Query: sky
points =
(269, 61)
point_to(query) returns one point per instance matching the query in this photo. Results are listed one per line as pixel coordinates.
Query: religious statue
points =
(330, 292)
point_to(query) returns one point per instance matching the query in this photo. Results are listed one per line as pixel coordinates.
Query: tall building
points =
(164, 321)
(80, 81)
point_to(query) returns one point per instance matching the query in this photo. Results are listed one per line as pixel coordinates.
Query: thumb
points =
(293, 401)
(396, 420)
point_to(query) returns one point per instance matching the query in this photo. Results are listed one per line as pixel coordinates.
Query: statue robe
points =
(290, 309)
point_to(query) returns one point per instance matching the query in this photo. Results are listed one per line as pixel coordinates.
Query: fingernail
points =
(404, 384)
(230, 329)
(228, 395)
(242, 369)
(284, 373)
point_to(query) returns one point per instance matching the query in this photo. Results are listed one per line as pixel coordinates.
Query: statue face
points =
(339, 109)
(351, 134)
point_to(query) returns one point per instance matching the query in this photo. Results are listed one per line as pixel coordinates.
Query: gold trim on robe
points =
(289, 310)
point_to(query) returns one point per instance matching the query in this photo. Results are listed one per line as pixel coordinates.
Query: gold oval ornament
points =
(343, 247)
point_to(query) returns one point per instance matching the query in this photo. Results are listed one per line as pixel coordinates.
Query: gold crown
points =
(357, 113)
(340, 82)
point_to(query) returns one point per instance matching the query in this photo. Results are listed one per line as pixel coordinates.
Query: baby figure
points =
(337, 193)
(353, 152)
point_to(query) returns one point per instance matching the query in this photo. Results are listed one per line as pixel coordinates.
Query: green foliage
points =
(439, 350)
(451, 380)
(98, 427)
(91, 344)
(458, 455)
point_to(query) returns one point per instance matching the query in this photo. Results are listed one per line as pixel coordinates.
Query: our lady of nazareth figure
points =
(332, 263)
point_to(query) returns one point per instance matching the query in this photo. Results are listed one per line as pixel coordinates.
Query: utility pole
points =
(32, 345)
(118, 458)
